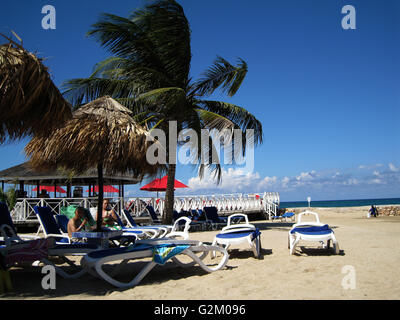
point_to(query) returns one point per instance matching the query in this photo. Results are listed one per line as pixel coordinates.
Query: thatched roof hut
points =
(101, 132)
(30, 103)
(103, 135)
(28, 176)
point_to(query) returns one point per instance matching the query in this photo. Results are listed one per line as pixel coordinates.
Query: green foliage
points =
(9, 197)
(148, 72)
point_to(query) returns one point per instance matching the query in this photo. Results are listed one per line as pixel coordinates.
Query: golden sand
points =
(369, 247)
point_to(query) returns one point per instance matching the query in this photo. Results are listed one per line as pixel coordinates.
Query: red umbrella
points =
(105, 189)
(50, 189)
(161, 185)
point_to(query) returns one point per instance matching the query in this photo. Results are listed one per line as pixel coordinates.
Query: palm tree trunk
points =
(100, 197)
(169, 195)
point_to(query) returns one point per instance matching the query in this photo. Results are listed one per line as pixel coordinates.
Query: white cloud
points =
(376, 181)
(233, 180)
(331, 181)
(337, 174)
(393, 168)
(270, 179)
(306, 176)
(369, 167)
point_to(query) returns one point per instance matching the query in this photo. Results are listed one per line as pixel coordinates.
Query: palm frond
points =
(157, 37)
(83, 90)
(213, 120)
(240, 117)
(222, 74)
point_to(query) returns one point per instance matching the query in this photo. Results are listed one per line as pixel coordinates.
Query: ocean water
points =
(341, 203)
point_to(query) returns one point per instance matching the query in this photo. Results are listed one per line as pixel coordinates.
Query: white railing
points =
(267, 203)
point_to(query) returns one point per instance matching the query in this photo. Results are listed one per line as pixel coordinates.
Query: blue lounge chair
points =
(311, 231)
(288, 215)
(13, 241)
(155, 220)
(52, 229)
(238, 233)
(273, 218)
(153, 215)
(213, 219)
(8, 232)
(195, 224)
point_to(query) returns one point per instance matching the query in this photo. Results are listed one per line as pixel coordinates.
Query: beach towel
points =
(163, 252)
(256, 233)
(69, 212)
(28, 252)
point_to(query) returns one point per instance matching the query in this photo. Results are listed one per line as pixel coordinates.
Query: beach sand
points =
(371, 247)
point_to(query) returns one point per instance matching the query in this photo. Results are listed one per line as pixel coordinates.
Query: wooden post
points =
(100, 197)
(21, 189)
(68, 190)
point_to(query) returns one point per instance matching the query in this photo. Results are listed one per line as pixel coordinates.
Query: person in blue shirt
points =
(373, 211)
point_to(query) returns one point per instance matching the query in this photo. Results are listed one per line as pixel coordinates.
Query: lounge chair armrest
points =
(29, 237)
(51, 235)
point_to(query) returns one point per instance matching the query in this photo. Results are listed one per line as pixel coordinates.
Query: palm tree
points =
(149, 73)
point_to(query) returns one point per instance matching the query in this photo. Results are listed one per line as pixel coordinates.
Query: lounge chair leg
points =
(336, 249)
(119, 284)
(255, 245)
(206, 268)
(294, 244)
(328, 244)
(213, 252)
(62, 273)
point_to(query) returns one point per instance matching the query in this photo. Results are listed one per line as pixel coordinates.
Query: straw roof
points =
(101, 132)
(30, 103)
(29, 176)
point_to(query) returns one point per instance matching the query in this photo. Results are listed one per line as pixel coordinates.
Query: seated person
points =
(44, 194)
(77, 223)
(109, 217)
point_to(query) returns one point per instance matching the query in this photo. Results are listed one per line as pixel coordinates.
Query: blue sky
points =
(328, 98)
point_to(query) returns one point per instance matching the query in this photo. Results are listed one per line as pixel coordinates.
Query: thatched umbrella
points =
(30, 103)
(100, 134)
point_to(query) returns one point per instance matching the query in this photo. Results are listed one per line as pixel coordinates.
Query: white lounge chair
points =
(234, 234)
(146, 249)
(311, 231)
(175, 233)
(141, 233)
(161, 231)
(155, 219)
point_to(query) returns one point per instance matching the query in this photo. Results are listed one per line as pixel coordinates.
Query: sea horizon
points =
(340, 203)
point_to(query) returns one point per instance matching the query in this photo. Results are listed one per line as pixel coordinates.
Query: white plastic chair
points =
(311, 231)
(175, 233)
(234, 234)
